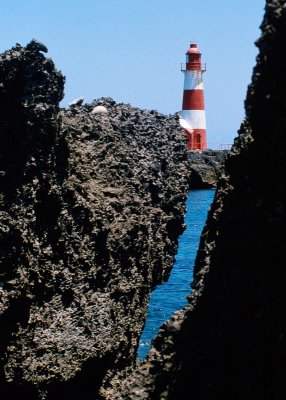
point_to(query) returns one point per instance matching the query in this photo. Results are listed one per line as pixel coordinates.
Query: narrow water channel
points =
(171, 296)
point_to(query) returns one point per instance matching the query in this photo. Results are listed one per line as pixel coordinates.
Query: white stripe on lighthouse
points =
(193, 80)
(185, 124)
(195, 119)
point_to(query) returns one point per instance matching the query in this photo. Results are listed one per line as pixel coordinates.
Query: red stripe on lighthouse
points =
(196, 139)
(193, 100)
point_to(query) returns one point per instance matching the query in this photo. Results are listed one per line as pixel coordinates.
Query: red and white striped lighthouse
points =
(192, 116)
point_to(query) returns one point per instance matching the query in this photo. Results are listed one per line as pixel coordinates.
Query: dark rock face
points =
(206, 168)
(230, 341)
(91, 209)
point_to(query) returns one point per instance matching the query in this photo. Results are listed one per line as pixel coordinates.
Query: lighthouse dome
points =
(193, 49)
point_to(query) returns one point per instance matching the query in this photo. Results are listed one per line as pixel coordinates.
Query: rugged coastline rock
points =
(230, 341)
(92, 205)
(206, 168)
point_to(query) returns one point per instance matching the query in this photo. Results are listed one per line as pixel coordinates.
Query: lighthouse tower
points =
(192, 116)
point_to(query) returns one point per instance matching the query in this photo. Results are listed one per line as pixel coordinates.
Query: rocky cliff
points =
(230, 341)
(92, 204)
(206, 168)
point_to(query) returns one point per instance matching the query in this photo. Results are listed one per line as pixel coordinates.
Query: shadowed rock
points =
(230, 341)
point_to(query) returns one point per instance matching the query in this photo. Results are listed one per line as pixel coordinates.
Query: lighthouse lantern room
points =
(192, 116)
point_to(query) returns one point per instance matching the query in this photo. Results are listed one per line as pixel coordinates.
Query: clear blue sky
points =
(131, 50)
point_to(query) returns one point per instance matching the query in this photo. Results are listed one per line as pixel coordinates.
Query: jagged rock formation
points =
(91, 209)
(230, 341)
(206, 167)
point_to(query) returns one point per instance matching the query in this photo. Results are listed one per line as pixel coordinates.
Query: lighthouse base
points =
(196, 139)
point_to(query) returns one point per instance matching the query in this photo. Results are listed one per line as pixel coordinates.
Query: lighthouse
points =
(192, 116)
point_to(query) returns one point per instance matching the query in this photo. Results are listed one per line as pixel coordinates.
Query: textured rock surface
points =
(206, 167)
(230, 342)
(91, 209)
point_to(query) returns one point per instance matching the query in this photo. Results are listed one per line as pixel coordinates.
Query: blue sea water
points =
(171, 296)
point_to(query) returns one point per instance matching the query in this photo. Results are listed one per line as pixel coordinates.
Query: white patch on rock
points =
(77, 102)
(99, 110)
